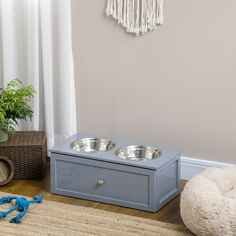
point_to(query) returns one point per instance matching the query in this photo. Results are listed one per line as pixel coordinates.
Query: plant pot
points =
(3, 136)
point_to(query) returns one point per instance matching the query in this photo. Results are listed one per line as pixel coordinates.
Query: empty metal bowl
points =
(92, 145)
(136, 153)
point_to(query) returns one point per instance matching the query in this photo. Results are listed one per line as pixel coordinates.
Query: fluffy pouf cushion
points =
(208, 202)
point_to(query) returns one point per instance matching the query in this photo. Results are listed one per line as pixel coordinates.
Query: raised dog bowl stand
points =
(146, 183)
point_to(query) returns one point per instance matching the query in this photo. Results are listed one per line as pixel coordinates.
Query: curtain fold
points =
(36, 47)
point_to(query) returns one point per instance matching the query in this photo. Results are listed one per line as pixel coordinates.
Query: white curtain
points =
(36, 47)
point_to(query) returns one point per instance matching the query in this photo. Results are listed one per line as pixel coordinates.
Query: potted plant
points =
(14, 106)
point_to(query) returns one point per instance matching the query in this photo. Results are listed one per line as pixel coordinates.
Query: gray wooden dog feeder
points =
(115, 171)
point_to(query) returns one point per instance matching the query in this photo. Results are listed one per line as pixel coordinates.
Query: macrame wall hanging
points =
(137, 16)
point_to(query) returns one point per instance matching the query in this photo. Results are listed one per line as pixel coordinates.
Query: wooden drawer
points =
(102, 181)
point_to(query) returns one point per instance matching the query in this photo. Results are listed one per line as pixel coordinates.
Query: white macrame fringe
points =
(137, 16)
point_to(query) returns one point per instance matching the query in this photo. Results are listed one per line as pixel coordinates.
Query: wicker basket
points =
(27, 150)
(7, 170)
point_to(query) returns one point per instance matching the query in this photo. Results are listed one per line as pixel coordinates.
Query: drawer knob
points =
(100, 182)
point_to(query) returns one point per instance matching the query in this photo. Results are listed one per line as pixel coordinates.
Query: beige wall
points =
(175, 86)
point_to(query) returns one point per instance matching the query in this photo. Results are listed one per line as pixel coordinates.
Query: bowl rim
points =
(111, 143)
(122, 149)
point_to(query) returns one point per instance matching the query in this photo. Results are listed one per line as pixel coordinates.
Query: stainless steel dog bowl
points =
(92, 145)
(136, 153)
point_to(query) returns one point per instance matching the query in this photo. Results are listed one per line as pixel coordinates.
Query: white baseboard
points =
(192, 166)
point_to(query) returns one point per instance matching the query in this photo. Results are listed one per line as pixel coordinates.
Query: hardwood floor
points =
(170, 213)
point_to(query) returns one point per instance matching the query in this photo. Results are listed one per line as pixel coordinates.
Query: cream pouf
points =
(208, 202)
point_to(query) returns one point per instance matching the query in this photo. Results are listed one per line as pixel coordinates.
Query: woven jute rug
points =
(53, 218)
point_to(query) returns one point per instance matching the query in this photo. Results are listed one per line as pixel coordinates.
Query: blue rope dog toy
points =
(21, 205)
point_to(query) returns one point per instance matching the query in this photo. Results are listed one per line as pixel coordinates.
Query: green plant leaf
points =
(14, 104)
